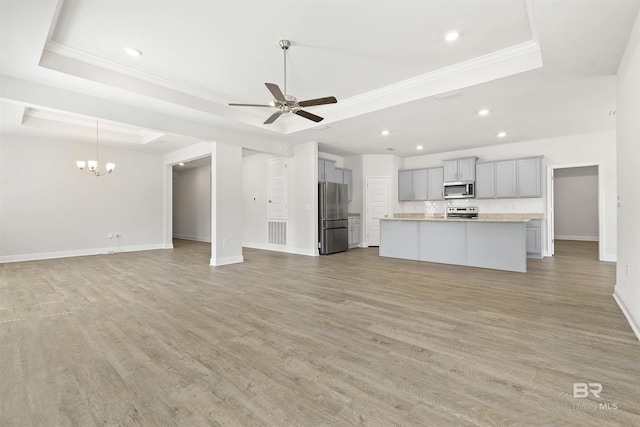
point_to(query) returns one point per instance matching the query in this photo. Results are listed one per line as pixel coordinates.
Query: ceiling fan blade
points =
(309, 116)
(318, 101)
(276, 92)
(273, 117)
(251, 105)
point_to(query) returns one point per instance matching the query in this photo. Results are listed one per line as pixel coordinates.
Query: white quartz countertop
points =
(481, 218)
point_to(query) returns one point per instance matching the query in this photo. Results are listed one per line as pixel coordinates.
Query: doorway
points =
(377, 207)
(574, 205)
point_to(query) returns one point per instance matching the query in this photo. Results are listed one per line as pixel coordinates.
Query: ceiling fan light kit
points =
(288, 103)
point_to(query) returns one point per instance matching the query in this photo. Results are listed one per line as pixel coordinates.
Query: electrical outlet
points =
(626, 270)
(110, 235)
(224, 242)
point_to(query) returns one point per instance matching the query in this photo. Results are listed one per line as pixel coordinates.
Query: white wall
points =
(598, 147)
(575, 204)
(226, 201)
(192, 203)
(303, 201)
(49, 208)
(627, 290)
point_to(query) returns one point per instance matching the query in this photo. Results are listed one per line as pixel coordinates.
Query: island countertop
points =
(481, 218)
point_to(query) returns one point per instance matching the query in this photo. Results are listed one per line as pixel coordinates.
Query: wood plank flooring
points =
(161, 338)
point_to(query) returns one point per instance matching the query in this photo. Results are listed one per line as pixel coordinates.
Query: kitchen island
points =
(489, 241)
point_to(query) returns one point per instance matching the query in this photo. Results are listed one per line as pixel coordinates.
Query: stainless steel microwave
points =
(459, 190)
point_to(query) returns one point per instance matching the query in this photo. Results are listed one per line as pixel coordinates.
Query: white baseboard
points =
(194, 238)
(582, 238)
(281, 248)
(226, 261)
(624, 306)
(81, 252)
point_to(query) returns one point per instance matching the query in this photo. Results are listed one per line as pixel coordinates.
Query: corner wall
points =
(192, 204)
(627, 290)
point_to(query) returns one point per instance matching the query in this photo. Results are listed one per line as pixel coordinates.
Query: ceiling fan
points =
(287, 103)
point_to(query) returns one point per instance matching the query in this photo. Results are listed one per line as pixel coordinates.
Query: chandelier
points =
(93, 164)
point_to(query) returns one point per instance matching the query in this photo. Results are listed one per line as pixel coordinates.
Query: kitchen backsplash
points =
(485, 206)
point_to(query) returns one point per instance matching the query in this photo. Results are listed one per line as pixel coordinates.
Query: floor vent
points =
(278, 232)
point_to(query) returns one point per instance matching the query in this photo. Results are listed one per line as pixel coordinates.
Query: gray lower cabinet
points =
(497, 245)
(534, 238)
(354, 232)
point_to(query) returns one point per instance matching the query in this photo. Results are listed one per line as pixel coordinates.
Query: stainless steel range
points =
(463, 212)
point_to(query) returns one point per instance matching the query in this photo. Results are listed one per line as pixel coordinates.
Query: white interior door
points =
(278, 189)
(377, 207)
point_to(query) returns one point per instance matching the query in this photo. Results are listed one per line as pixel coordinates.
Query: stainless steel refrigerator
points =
(333, 219)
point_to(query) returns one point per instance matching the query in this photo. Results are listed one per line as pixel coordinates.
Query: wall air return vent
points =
(277, 232)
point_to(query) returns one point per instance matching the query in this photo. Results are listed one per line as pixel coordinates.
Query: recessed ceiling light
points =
(181, 164)
(451, 36)
(419, 147)
(385, 132)
(502, 134)
(132, 51)
(483, 112)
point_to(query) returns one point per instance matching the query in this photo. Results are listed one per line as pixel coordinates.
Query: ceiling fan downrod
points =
(284, 44)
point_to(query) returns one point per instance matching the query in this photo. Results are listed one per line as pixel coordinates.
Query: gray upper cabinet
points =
(326, 170)
(419, 181)
(405, 191)
(506, 176)
(485, 180)
(420, 184)
(460, 169)
(435, 179)
(509, 178)
(530, 177)
(412, 185)
(348, 179)
(338, 176)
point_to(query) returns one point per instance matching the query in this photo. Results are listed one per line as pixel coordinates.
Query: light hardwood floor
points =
(161, 338)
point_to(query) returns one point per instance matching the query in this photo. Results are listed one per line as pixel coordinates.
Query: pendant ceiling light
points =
(94, 168)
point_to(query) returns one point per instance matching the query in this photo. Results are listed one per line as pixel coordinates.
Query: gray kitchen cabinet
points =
(509, 178)
(506, 179)
(485, 180)
(419, 182)
(338, 176)
(530, 177)
(354, 232)
(412, 185)
(326, 170)
(534, 238)
(460, 169)
(435, 179)
(348, 179)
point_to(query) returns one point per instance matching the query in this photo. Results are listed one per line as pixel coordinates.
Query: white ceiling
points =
(542, 67)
